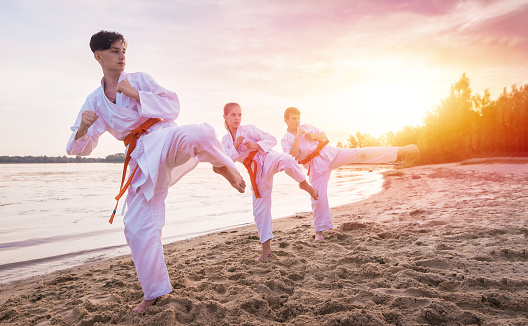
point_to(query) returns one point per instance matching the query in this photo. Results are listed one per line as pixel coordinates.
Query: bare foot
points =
(319, 236)
(142, 307)
(263, 257)
(310, 189)
(266, 250)
(234, 178)
(407, 150)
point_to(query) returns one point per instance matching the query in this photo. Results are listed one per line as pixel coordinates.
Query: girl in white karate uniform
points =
(302, 140)
(239, 144)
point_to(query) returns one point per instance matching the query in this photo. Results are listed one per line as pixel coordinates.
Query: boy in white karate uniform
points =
(253, 147)
(134, 108)
(310, 147)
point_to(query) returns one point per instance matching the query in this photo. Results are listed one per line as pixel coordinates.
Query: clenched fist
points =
(88, 118)
(252, 146)
(127, 89)
(238, 142)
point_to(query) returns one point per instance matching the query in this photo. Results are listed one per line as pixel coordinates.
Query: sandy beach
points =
(440, 245)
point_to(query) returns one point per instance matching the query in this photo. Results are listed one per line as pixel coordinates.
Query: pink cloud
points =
(511, 25)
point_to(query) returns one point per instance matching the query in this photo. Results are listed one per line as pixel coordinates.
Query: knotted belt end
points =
(130, 141)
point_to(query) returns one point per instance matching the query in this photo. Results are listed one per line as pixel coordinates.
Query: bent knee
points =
(200, 132)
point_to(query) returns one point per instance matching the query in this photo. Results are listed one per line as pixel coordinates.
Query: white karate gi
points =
(164, 155)
(269, 162)
(331, 158)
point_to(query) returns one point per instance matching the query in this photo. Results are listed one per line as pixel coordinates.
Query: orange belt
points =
(252, 172)
(131, 141)
(314, 154)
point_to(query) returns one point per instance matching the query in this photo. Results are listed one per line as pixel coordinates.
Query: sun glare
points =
(376, 95)
(377, 107)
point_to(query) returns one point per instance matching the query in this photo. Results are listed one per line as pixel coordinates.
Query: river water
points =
(55, 216)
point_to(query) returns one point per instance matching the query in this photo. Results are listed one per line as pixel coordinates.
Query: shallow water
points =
(55, 216)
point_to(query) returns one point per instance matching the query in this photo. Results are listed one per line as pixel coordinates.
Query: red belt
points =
(131, 141)
(251, 166)
(314, 154)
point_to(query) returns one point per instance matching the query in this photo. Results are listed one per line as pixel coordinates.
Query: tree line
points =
(463, 126)
(114, 158)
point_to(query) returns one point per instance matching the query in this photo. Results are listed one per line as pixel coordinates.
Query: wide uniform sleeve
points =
(309, 145)
(85, 145)
(265, 140)
(312, 129)
(155, 101)
(229, 147)
(286, 143)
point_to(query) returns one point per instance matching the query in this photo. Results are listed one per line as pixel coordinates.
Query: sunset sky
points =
(369, 65)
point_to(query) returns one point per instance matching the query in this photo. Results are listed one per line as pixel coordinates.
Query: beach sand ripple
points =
(440, 245)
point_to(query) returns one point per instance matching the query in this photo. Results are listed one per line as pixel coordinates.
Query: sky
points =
(371, 66)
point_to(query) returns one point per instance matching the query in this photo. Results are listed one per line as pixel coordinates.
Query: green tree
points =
(118, 157)
(352, 142)
(366, 140)
(387, 139)
(449, 133)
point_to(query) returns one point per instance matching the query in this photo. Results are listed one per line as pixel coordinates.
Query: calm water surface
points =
(55, 216)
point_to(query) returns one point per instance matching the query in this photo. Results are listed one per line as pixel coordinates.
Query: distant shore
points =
(116, 158)
(441, 244)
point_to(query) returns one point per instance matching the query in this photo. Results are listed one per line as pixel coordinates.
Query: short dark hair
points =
(103, 40)
(290, 111)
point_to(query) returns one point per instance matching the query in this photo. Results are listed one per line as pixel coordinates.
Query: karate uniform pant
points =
(144, 219)
(273, 163)
(319, 179)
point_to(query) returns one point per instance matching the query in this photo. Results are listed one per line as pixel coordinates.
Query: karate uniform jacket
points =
(319, 164)
(127, 114)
